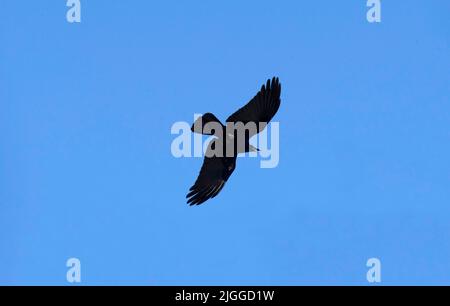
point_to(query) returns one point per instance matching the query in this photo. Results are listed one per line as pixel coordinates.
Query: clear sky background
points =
(86, 169)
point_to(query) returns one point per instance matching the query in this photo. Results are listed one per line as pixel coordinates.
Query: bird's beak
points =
(254, 149)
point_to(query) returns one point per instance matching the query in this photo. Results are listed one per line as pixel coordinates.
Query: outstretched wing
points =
(262, 107)
(213, 176)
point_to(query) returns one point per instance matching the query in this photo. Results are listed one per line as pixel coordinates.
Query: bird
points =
(217, 169)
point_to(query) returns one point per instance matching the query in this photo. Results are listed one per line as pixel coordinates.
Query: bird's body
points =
(231, 139)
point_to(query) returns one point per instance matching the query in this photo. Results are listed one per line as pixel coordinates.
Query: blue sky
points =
(86, 168)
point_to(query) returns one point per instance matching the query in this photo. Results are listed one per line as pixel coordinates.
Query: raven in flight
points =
(216, 169)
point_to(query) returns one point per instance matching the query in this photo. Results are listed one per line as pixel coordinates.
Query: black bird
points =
(216, 170)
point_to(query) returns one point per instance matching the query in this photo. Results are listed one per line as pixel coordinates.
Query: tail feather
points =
(207, 119)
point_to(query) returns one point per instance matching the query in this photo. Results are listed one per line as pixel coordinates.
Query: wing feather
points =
(262, 108)
(213, 175)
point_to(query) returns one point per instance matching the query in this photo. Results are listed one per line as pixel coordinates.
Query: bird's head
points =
(253, 149)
